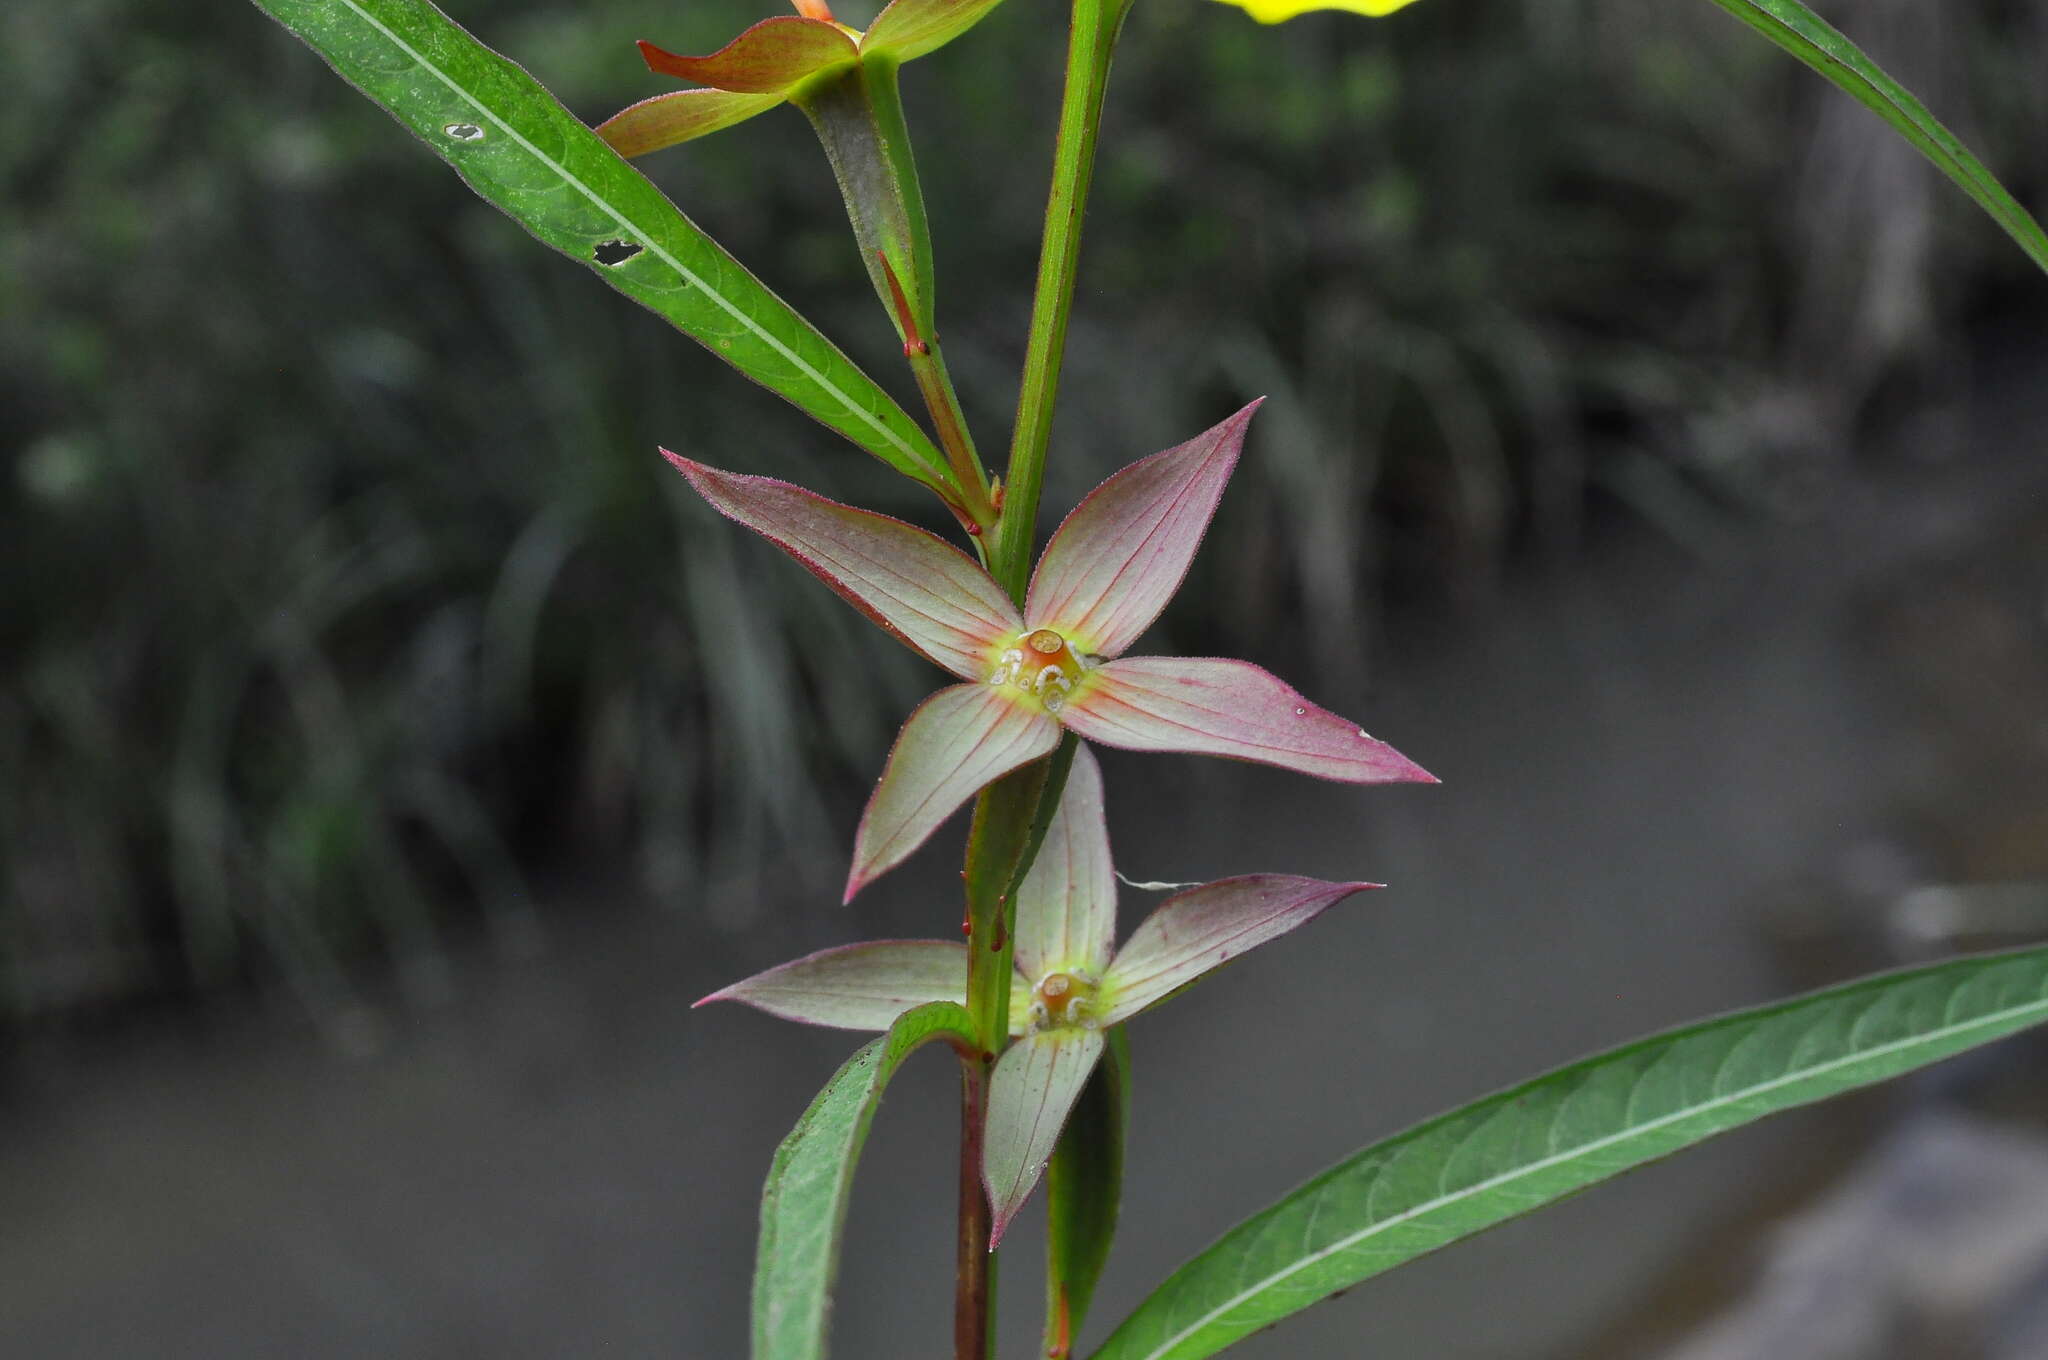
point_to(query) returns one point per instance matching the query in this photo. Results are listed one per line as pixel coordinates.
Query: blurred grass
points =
(344, 596)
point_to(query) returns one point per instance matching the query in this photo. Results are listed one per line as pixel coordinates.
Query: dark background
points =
(392, 747)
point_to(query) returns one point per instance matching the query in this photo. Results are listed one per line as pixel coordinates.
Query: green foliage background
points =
(346, 604)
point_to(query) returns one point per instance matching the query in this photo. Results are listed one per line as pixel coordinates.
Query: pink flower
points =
(1071, 982)
(1104, 577)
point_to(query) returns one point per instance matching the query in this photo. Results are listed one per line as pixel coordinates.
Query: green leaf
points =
(519, 148)
(1820, 45)
(803, 1206)
(1084, 1187)
(1491, 1161)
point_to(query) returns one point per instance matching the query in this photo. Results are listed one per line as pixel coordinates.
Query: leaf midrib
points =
(1992, 1020)
(643, 236)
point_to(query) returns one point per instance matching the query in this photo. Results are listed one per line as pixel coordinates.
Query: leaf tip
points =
(658, 59)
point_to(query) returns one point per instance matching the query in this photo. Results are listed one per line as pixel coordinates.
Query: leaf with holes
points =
(1475, 1167)
(518, 147)
(803, 1206)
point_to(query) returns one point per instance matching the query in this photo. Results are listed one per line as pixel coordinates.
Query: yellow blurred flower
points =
(1278, 11)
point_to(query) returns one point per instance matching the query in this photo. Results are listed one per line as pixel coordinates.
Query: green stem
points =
(858, 116)
(1011, 815)
(1093, 35)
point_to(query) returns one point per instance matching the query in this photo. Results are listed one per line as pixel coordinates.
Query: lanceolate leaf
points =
(520, 149)
(920, 588)
(1814, 41)
(954, 742)
(1503, 1156)
(1115, 561)
(803, 1207)
(1198, 931)
(856, 986)
(1228, 708)
(1030, 1093)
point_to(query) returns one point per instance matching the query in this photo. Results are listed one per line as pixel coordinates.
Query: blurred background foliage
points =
(348, 612)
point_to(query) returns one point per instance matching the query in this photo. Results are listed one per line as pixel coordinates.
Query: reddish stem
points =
(974, 1282)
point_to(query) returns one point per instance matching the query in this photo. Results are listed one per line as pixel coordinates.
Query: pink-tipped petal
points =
(1066, 906)
(955, 742)
(1035, 1085)
(929, 594)
(1204, 928)
(857, 986)
(772, 57)
(908, 29)
(1228, 708)
(679, 116)
(1117, 559)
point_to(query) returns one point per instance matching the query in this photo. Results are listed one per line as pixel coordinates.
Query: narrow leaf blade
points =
(680, 116)
(1066, 905)
(1219, 707)
(773, 57)
(1198, 931)
(1500, 1157)
(916, 586)
(856, 986)
(960, 739)
(1083, 1193)
(1120, 555)
(803, 1206)
(1820, 45)
(1030, 1094)
(520, 149)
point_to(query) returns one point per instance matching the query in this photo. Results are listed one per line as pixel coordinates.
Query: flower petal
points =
(1228, 708)
(1117, 559)
(955, 742)
(1275, 11)
(679, 116)
(907, 29)
(856, 986)
(929, 594)
(1066, 906)
(772, 57)
(1034, 1087)
(1200, 930)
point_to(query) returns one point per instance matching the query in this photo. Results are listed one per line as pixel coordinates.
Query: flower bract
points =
(774, 61)
(1105, 575)
(1071, 982)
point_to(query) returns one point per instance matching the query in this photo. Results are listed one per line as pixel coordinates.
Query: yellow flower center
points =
(1042, 664)
(1063, 999)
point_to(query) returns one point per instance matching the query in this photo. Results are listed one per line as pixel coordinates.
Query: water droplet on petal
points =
(1300, 712)
(464, 132)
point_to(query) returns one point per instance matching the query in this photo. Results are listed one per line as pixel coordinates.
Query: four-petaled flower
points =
(1071, 982)
(1104, 577)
